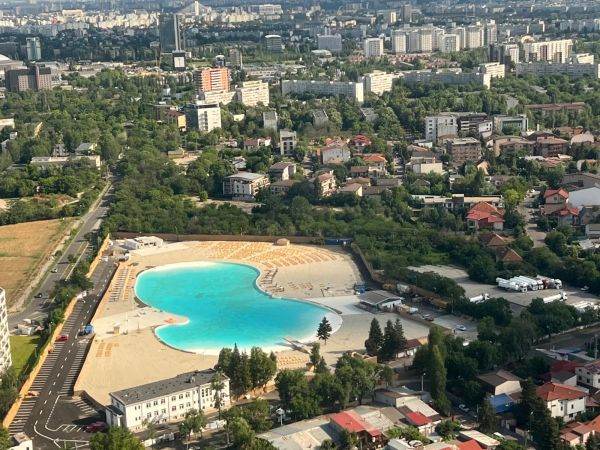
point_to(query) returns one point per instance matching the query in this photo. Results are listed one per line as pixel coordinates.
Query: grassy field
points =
(21, 347)
(24, 247)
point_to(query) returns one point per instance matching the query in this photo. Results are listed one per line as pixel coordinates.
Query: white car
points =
(461, 328)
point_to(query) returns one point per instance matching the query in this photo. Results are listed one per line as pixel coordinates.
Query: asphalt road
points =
(38, 308)
(52, 417)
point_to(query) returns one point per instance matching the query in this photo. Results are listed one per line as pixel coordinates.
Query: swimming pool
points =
(224, 307)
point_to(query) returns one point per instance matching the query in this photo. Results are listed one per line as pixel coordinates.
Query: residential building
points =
(274, 43)
(165, 400)
(5, 356)
(282, 171)
(33, 48)
(319, 118)
(270, 120)
(51, 161)
(463, 150)
(449, 43)
(33, 78)
(589, 374)
(501, 381)
(474, 36)
(325, 183)
(494, 69)
(244, 185)
(335, 154)
(556, 51)
(176, 117)
(253, 93)
(545, 68)
(379, 82)
(485, 216)
(442, 125)
(220, 97)
(360, 142)
(562, 400)
(352, 90)
(373, 47)
(377, 163)
(20, 441)
(351, 422)
(282, 187)
(212, 79)
(451, 76)
(331, 42)
(171, 33)
(203, 116)
(399, 41)
(236, 58)
(287, 142)
(585, 197)
(550, 146)
(581, 179)
(256, 143)
(502, 122)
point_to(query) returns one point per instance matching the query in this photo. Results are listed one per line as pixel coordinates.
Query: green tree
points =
(448, 429)
(324, 330)
(217, 384)
(437, 380)
(262, 368)
(315, 354)
(488, 422)
(115, 438)
(375, 339)
(5, 440)
(393, 340)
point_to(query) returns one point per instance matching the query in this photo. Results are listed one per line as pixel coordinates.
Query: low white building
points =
(165, 400)
(589, 374)
(244, 185)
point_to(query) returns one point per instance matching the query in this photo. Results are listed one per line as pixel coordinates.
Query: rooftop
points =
(248, 176)
(161, 388)
(556, 391)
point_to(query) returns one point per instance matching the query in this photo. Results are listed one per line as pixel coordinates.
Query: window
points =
(173, 398)
(162, 401)
(180, 396)
(173, 408)
(155, 402)
(164, 411)
(187, 394)
(147, 405)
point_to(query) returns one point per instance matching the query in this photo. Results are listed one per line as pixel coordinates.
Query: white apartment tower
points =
(450, 43)
(331, 42)
(557, 51)
(203, 116)
(251, 93)
(5, 358)
(399, 43)
(474, 36)
(373, 47)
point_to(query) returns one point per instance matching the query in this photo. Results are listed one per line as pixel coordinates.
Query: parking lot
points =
(518, 299)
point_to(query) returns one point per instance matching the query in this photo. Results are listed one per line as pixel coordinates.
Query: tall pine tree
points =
(375, 339)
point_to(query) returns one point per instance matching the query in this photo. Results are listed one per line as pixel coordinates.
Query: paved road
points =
(37, 308)
(54, 418)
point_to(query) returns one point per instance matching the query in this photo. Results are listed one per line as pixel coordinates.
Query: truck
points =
(531, 285)
(550, 283)
(535, 281)
(510, 285)
(480, 298)
(562, 296)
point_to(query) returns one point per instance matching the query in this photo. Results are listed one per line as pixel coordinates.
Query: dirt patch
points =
(23, 249)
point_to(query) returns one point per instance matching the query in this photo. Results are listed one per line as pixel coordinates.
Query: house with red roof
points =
(376, 163)
(554, 200)
(471, 444)
(350, 421)
(360, 142)
(485, 216)
(577, 433)
(562, 400)
(420, 421)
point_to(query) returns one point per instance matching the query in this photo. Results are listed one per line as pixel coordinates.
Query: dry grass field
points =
(24, 247)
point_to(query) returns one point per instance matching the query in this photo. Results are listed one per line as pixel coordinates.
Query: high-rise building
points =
(406, 12)
(420, 40)
(373, 47)
(270, 120)
(399, 43)
(178, 60)
(474, 36)
(274, 43)
(203, 116)
(171, 33)
(450, 43)
(331, 42)
(212, 79)
(5, 358)
(462, 36)
(235, 58)
(555, 51)
(491, 33)
(390, 17)
(34, 78)
(33, 48)
(251, 93)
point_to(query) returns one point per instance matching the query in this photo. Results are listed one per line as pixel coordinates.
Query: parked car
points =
(96, 427)
(585, 288)
(62, 338)
(463, 408)
(461, 328)
(32, 394)
(54, 270)
(427, 317)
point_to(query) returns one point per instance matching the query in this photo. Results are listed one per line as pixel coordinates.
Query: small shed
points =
(379, 299)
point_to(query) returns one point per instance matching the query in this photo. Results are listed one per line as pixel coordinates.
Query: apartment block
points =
(399, 41)
(331, 42)
(379, 82)
(203, 116)
(352, 90)
(373, 47)
(463, 150)
(493, 69)
(556, 51)
(573, 70)
(34, 78)
(244, 185)
(252, 93)
(165, 400)
(5, 357)
(212, 79)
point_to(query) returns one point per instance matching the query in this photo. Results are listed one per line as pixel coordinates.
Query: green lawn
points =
(21, 347)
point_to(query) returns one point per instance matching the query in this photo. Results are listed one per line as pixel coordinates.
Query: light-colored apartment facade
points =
(379, 82)
(251, 93)
(352, 90)
(165, 400)
(5, 357)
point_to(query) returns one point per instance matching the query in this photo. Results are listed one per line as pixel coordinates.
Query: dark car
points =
(96, 427)
(62, 338)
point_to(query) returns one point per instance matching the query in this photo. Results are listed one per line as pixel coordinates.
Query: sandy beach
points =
(126, 352)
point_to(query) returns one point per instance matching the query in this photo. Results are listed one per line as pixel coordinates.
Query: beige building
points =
(556, 51)
(252, 93)
(352, 90)
(5, 357)
(244, 185)
(203, 116)
(379, 82)
(373, 47)
(463, 150)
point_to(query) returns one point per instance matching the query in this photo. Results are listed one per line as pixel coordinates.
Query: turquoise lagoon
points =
(224, 307)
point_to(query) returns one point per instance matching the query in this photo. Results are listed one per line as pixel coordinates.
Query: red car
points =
(62, 338)
(96, 427)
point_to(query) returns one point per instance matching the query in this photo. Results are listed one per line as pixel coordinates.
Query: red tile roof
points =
(564, 366)
(469, 445)
(561, 192)
(556, 391)
(417, 418)
(352, 422)
(374, 158)
(360, 139)
(484, 212)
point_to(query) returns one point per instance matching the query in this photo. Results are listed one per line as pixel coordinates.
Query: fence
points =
(173, 237)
